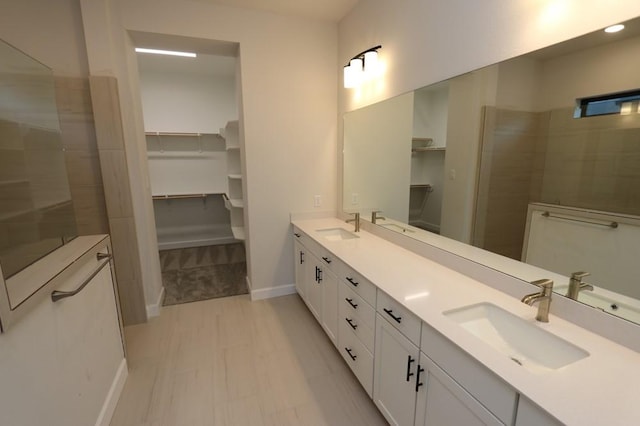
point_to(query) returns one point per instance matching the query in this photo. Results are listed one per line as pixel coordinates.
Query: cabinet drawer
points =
(357, 306)
(298, 235)
(361, 320)
(491, 391)
(357, 356)
(358, 284)
(399, 316)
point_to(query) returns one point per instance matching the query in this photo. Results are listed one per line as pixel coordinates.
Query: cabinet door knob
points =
(296, 234)
(350, 301)
(350, 321)
(353, 357)
(409, 362)
(352, 281)
(418, 382)
(390, 313)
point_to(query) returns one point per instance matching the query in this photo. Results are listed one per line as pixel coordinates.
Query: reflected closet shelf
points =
(178, 196)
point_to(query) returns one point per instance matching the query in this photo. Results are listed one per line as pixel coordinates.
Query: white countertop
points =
(601, 389)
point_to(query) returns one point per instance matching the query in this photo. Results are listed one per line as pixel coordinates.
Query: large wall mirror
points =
(530, 166)
(36, 210)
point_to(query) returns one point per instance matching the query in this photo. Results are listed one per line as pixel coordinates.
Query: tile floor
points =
(230, 361)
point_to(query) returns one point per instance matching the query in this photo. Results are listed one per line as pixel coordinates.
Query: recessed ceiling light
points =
(165, 52)
(614, 28)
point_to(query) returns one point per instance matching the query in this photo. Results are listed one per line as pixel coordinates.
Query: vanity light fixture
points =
(364, 66)
(614, 28)
(165, 52)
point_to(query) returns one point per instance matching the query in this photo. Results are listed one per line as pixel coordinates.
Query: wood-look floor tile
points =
(235, 362)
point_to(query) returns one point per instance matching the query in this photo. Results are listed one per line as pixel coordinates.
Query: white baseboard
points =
(269, 292)
(153, 310)
(248, 283)
(110, 402)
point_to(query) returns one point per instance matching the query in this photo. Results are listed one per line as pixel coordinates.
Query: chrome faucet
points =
(576, 284)
(375, 217)
(355, 220)
(543, 298)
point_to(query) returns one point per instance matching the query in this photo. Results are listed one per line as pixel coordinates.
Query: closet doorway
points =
(191, 110)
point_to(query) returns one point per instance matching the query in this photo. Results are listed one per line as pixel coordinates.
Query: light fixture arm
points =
(361, 54)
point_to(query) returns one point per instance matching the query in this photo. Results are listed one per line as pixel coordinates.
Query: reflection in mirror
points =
(498, 162)
(36, 212)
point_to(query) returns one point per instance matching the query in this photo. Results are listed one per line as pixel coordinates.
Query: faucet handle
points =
(579, 275)
(375, 217)
(544, 283)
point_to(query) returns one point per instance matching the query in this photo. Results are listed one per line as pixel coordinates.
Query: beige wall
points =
(424, 42)
(289, 100)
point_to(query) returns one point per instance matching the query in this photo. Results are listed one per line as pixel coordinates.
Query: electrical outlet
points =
(354, 198)
(317, 201)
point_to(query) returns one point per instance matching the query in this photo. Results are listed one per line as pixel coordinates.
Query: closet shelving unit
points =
(424, 145)
(234, 198)
(188, 175)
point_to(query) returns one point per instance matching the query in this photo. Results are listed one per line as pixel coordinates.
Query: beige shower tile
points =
(115, 177)
(106, 112)
(10, 135)
(83, 168)
(125, 248)
(78, 133)
(131, 302)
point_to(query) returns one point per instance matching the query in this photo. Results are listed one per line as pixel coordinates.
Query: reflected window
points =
(616, 103)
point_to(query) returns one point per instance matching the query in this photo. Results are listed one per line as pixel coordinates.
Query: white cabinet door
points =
(300, 262)
(329, 284)
(530, 414)
(443, 402)
(313, 289)
(394, 377)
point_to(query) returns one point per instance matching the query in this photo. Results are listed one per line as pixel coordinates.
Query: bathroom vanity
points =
(432, 346)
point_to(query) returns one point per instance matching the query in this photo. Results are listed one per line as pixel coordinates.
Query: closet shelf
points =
(428, 148)
(238, 232)
(177, 196)
(184, 134)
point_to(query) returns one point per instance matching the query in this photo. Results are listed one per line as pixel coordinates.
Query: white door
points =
(329, 284)
(300, 262)
(394, 377)
(443, 402)
(313, 289)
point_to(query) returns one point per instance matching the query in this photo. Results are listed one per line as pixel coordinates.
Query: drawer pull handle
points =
(319, 275)
(352, 281)
(57, 295)
(350, 301)
(390, 313)
(353, 357)
(418, 382)
(409, 362)
(326, 259)
(301, 257)
(350, 321)
(296, 234)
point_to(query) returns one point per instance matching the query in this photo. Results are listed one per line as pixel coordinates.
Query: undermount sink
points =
(395, 227)
(336, 234)
(523, 342)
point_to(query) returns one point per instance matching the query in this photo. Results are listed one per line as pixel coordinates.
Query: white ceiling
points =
(326, 10)
(218, 58)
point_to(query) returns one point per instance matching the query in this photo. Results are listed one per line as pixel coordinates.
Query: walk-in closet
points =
(194, 151)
